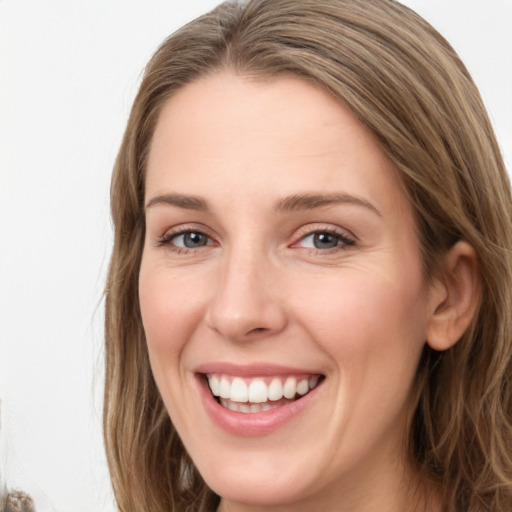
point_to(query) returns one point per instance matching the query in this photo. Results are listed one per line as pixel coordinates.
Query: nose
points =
(247, 302)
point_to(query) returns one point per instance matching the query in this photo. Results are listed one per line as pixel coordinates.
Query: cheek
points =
(364, 315)
(373, 333)
(171, 308)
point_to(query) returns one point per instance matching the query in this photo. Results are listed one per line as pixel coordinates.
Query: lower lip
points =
(253, 424)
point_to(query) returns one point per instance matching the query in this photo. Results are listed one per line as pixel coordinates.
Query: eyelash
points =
(167, 238)
(344, 241)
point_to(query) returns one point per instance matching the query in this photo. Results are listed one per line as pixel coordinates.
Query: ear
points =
(454, 297)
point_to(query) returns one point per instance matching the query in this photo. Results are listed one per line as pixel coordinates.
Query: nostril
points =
(257, 330)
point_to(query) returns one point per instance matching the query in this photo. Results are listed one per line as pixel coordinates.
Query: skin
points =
(260, 292)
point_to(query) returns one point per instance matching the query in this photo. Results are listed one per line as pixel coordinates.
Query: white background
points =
(69, 70)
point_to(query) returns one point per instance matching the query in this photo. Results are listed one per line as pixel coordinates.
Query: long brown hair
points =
(403, 81)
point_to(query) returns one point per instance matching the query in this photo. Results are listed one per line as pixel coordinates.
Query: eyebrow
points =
(179, 200)
(295, 202)
(299, 202)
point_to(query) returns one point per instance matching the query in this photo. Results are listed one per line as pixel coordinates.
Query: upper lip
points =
(252, 370)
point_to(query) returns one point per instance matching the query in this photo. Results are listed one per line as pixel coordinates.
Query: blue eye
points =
(325, 240)
(190, 240)
(185, 240)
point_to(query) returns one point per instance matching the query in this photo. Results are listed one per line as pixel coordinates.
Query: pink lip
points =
(254, 424)
(251, 370)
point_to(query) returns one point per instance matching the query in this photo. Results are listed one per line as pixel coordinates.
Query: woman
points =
(308, 300)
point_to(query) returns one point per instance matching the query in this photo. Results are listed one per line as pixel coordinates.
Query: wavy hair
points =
(403, 81)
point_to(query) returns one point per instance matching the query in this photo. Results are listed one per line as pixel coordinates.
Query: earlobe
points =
(454, 297)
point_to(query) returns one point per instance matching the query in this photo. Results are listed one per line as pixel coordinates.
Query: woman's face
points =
(281, 264)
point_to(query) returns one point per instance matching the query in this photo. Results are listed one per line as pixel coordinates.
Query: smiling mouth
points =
(261, 394)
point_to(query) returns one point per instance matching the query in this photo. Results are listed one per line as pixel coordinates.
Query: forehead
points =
(272, 136)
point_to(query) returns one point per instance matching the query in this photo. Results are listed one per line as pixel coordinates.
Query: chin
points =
(261, 488)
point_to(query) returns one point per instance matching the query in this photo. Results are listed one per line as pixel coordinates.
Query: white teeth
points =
(213, 381)
(239, 391)
(258, 392)
(224, 388)
(253, 408)
(290, 387)
(303, 387)
(275, 390)
(258, 395)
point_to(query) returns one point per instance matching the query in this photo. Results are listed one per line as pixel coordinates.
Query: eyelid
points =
(347, 238)
(310, 229)
(182, 229)
(319, 227)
